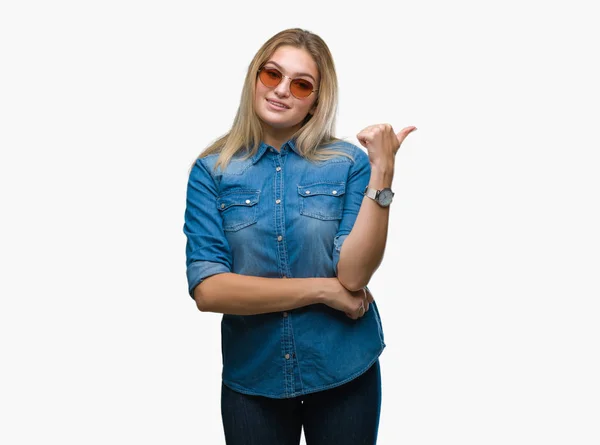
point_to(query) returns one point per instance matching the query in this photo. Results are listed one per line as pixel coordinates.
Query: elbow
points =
(207, 297)
(355, 284)
(352, 275)
(353, 287)
(202, 302)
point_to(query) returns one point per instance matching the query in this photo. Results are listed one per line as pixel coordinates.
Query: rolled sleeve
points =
(199, 270)
(337, 248)
(207, 250)
(358, 179)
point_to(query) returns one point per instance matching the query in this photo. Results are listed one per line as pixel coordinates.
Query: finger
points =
(368, 128)
(364, 132)
(369, 295)
(365, 138)
(401, 135)
(361, 310)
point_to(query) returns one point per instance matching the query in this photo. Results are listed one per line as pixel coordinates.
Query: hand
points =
(381, 142)
(367, 301)
(363, 308)
(370, 298)
(354, 304)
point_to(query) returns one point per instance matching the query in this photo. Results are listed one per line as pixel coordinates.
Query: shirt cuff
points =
(198, 271)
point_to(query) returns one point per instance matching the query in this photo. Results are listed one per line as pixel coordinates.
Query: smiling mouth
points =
(278, 105)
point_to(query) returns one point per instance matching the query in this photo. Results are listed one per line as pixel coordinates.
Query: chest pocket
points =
(238, 209)
(322, 200)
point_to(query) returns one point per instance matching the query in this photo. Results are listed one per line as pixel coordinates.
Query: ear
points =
(313, 109)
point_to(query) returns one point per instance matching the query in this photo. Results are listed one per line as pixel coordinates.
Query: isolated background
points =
(488, 291)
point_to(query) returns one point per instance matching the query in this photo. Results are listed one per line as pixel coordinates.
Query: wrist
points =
(383, 163)
(381, 176)
(320, 294)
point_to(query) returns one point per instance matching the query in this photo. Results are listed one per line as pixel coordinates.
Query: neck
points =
(276, 137)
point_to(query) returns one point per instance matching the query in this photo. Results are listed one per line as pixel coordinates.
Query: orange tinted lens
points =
(270, 77)
(301, 88)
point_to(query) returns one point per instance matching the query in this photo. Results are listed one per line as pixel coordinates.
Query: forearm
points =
(363, 249)
(231, 293)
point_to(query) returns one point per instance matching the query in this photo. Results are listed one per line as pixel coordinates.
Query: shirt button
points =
(285, 314)
(222, 206)
(278, 169)
(247, 201)
(277, 201)
(279, 238)
(287, 356)
(308, 192)
(334, 192)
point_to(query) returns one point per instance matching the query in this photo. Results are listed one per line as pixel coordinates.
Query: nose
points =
(283, 89)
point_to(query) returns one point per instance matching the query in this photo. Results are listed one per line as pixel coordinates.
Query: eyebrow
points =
(296, 74)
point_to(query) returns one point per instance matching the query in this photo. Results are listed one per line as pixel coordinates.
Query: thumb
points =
(401, 135)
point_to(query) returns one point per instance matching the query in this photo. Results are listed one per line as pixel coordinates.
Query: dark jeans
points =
(344, 415)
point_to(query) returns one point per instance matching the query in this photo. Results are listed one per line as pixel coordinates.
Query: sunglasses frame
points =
(282, 77)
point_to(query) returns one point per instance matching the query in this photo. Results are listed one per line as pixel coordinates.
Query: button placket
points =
(280, 219)
(288, 355)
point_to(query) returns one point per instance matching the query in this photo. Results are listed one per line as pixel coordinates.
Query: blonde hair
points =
(317, 130)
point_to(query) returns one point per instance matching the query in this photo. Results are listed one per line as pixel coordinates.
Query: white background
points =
(488, 291)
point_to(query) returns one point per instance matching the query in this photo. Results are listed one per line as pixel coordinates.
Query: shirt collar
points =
(263, 147)
(292, 144)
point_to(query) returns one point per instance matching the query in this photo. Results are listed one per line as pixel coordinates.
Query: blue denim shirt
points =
(278, 215)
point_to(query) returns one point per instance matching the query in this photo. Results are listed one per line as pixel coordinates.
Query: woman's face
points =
(295, 63)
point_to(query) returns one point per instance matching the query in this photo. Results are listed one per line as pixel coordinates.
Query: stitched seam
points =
(318, 388)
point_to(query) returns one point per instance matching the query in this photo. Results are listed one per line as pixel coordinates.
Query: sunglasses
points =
(271, 77)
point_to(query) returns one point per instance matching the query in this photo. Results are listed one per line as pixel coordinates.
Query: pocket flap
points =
(322, 188)
(238, 198)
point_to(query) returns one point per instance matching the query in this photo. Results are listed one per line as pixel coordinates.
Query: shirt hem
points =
(243, 390)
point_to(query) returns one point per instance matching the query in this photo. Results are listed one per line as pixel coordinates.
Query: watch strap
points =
(371, 192)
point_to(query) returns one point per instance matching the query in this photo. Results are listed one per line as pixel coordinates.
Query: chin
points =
(278, 124)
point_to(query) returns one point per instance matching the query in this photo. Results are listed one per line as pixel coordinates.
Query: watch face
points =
(385, 197)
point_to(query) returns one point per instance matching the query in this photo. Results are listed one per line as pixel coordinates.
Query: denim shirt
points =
(278, 215)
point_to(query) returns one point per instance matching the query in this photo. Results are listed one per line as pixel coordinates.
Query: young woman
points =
(285, 226)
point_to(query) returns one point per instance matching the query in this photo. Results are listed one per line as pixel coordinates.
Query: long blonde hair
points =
(317, 130)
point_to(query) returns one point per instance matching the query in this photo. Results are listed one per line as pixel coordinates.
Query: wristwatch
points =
(382, 197)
